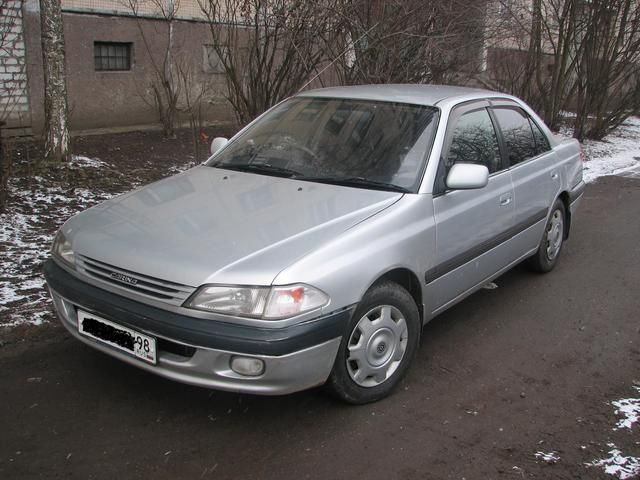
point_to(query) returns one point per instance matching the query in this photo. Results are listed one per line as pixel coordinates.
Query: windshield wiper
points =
(360, 182)
(260, 168)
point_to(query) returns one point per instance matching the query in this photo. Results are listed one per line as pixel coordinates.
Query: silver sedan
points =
(313, 246)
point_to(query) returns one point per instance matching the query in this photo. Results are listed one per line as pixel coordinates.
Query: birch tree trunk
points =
(55, 84)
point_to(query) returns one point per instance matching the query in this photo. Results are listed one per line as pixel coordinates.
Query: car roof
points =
(405, 93)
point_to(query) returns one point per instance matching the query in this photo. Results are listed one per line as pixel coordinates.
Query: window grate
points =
(112, 56)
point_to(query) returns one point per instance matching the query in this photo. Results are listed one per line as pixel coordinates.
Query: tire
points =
(378, 346)
(552, 240)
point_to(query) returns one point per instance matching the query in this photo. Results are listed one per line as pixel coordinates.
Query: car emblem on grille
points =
(124, 278)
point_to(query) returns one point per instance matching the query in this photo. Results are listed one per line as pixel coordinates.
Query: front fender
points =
(401, 236)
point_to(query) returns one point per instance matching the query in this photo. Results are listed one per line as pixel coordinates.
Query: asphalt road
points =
(530, 366)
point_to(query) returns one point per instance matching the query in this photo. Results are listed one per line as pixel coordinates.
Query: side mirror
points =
(217, 144)
(467, 176)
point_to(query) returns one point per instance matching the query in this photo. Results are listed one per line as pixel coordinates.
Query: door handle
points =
(505, 199)
(554, 175)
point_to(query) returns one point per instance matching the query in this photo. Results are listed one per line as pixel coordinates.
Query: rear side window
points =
(517, 134)
(474, 141)
(542, 142)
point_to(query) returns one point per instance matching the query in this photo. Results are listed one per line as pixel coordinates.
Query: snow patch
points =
(619, 152)
(34, 318)
(617, 464)
(27, 228)
(629, 408)
(38, 206)
(550, 458)
(82, 161)
(175, 169)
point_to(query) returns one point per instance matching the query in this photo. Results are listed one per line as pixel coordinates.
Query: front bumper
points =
(198, 351)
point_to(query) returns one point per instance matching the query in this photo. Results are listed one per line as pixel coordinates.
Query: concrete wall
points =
(14, 99)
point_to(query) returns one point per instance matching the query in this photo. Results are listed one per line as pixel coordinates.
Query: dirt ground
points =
(531, 366)
(41, 199)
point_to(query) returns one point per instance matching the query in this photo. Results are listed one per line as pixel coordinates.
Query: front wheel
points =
(380, 342)
(552, 240)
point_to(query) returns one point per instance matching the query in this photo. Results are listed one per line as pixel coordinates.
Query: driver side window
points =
(474, 140)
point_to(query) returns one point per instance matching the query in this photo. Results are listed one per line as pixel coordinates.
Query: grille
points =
(173, 293)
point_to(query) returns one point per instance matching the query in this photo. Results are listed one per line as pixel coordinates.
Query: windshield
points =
(360, 143)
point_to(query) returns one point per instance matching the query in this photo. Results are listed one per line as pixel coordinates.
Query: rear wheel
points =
(552, 240)
(380, 342)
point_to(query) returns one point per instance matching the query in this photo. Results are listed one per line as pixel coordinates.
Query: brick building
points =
(111, 60)
(112, 57)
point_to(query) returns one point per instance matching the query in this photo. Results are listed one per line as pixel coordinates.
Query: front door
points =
(472, 226)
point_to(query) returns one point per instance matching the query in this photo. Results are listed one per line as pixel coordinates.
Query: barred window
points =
(112, 56)
(212, 61)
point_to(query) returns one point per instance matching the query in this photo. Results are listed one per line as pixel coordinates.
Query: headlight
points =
(62, 249)
(243, 301)
(270, 303)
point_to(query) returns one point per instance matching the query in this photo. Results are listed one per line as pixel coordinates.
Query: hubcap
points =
(376, 346)
(555, 231)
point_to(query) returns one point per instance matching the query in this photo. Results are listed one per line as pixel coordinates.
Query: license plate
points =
(123, 338)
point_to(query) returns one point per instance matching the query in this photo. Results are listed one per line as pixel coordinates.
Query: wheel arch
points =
(408, 280)
(564, 198)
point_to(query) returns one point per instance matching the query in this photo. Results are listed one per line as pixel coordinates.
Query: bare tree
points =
(558, 24)
(194, 101)
(57, 143)
(608, 71)
(541, 50)
(165, 87)
(408, 41)
(573, 54)
(176, 90)
(267, 49)
(510, 51)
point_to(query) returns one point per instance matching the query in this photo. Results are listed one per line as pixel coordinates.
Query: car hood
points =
(209, 225)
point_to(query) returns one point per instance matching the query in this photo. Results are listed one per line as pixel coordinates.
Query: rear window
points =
(542, 142)
(517, 134)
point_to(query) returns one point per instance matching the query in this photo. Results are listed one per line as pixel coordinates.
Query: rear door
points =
(534, 171)
(471, 225)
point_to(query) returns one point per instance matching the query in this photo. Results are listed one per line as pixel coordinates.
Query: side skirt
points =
(474, 289)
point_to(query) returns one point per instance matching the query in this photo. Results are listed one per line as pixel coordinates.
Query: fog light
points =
(250, 367)
(65, 309)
